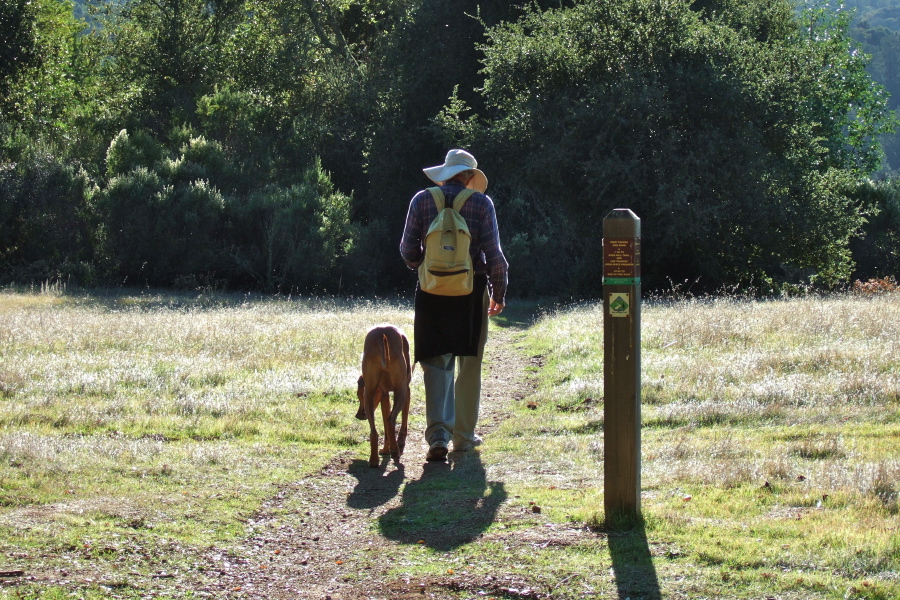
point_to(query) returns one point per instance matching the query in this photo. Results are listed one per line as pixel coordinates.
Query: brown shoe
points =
(437, 451)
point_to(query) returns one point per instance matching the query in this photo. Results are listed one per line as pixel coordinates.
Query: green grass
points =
(136, 429)
(160, 421)
(769, 443)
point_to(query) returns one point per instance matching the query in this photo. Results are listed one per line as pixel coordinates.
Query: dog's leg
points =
(371, 397)
(401, 404)
(383, 398)
(360, 394)
(390, 428)
(402, 397)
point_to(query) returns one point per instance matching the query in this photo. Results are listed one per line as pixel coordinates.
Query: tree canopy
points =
(276, 144)
(735, 130)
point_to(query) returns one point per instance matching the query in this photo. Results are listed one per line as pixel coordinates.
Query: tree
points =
(883, 44)
(291, 238)
(43, 220)
(877, 251)
(735, 130)
(42, 67)
(165, 54)
(19, 50)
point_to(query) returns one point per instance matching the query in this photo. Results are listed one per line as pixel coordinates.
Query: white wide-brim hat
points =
(456, 162)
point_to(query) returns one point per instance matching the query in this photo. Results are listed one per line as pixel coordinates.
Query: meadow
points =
(138, 428)
(770, 430)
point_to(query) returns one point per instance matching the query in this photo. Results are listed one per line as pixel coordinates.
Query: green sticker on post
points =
(621, 281)
(619, 304)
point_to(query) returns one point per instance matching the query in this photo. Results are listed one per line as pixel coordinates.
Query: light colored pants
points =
(452, 406)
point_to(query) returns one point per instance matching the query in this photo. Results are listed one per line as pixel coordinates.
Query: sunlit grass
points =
(769, 462)
(769, 440)
(168, 418)
(261, 367)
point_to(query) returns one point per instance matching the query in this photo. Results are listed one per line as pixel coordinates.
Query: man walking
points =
(451, 330)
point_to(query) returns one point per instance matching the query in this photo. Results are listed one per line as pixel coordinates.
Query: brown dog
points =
(385, 368)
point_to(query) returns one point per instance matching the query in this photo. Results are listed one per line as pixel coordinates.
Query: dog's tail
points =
(385, 351)
(409, 366)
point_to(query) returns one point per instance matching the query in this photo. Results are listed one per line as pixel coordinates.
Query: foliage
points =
(167, 54)
(160, 221)
(20, 49)
(877, 250)
(43, 220)
(165, 220)
(876, 286)
(291, 238)
(741, 133)
(128, 152)
(47, 89)
(716, 123)
(248, 127)
(878, 32)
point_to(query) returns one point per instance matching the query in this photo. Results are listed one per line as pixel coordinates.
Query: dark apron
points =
(448, 324)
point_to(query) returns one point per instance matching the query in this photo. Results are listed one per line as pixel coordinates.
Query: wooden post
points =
(622, 364)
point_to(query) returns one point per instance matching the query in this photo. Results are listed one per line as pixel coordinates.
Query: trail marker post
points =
(621, 363)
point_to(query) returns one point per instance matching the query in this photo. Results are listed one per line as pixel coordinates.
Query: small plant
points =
(871, 287)
(820, 448)
(884, 487)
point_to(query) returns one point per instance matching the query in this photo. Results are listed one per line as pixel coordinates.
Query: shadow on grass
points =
(632, 563)
(452, 504)
(374, 487)
(519, 315)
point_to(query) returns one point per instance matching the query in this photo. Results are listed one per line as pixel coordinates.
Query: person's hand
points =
(494, 309)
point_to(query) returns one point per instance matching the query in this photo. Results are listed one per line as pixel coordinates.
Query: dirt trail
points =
(315, 539)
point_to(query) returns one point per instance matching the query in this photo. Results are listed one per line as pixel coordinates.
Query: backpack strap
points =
(458, 202)
(438, 196)
(461, 198)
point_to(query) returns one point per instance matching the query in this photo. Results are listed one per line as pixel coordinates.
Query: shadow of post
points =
(632, 562)
(452, 504)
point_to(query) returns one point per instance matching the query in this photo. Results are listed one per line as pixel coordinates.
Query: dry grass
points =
(93, 366)
(769, 462)
(164, 416)
(769, 447)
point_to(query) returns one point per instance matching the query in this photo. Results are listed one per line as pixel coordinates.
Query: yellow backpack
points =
(447, 267)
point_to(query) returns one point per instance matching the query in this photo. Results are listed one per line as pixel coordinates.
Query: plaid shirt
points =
(478, 211)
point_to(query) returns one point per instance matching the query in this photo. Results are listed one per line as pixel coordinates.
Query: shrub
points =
(290, 238)
(43, 219)
(160, 218)
(875, 286)
(877, 250)
(246, 126)
(131, 151)
(736, 131)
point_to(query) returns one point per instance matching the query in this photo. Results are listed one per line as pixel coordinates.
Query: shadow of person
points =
(374, 487)
(452, 504)
(632, 562)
